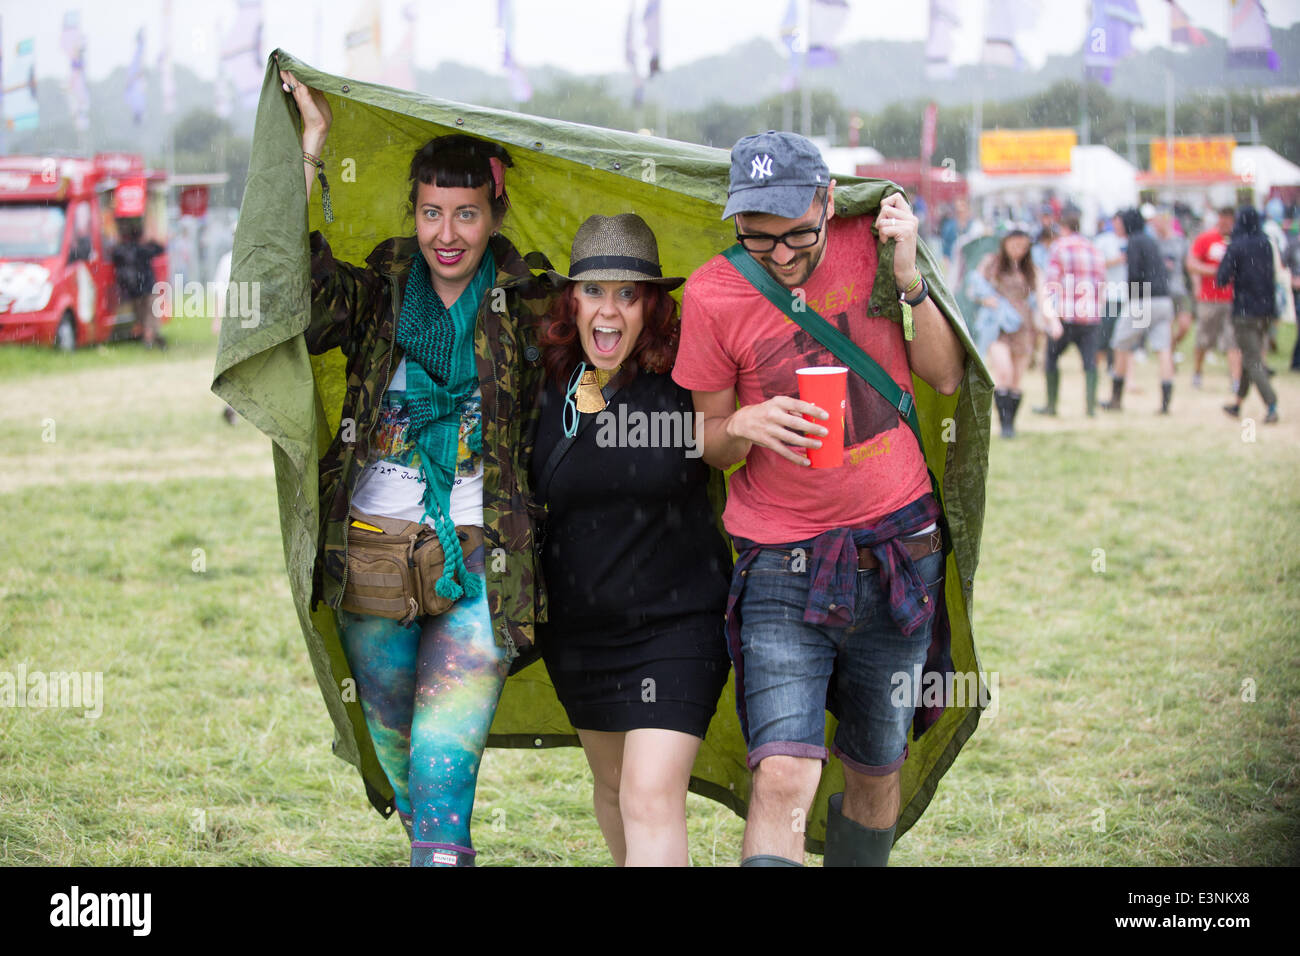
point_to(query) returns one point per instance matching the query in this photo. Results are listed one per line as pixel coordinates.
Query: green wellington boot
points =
(767, 859)
(1053, 388)
(1090, 384)
(849, 843)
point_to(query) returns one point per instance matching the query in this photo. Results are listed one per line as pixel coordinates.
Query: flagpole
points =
(3, 145)
(1169, 131)
(1085, 128)
(805, 92)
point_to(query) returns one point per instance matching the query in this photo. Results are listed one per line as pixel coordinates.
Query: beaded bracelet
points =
(326, 205)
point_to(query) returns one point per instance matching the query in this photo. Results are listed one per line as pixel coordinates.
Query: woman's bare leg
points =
(652, 795)
(604, 752)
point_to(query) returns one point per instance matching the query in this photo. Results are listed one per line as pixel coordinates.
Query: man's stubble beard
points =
(805, 274)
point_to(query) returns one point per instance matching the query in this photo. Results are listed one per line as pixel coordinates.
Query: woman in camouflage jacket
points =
(419, 399)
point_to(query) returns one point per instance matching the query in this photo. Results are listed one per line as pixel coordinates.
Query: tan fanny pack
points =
(394, 565)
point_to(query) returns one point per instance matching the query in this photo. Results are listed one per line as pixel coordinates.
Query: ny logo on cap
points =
(761, 167)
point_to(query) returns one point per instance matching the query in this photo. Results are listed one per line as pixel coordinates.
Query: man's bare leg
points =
(782, 794)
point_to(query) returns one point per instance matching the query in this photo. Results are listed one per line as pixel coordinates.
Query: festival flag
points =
(1109, 37)
(793, 39)
(136, 91)
(18, 87)
(73, 42)
(653, 36)
(1250, 44)
(241, 57)
(929, 130)
(1181, 31)
(825, 20)
(944, 22)
(399, 66)
(521, 91)
(363, 43)
(165, 61)
(629, 54)
(1003, 20)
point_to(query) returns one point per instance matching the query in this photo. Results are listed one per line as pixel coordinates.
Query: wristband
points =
(920, 296)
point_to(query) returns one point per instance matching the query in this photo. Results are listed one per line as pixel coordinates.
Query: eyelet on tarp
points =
(538, 145)
(618, 165)
(345, 88)
(460, 121)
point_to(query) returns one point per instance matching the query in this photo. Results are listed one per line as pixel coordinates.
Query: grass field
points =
(1149, 691)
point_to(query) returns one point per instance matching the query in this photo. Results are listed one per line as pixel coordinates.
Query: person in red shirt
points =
(737, 345)
(1213, 301)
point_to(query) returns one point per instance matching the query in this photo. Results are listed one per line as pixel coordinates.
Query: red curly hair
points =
(655, 349)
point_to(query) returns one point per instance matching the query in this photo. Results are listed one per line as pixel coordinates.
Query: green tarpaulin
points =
(563, 173)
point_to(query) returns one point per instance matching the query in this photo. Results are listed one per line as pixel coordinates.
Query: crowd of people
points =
(1138, 285)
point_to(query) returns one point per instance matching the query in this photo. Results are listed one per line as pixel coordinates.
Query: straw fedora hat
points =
(616, 249)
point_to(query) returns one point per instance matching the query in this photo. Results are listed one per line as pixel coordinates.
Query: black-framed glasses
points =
(804, 238)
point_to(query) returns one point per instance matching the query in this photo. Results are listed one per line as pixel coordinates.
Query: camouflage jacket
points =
(355, 309)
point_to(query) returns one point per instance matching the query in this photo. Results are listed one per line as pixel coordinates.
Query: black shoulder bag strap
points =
(842, 347)
(565, 443)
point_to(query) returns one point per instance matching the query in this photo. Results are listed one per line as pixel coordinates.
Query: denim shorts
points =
(788, 665)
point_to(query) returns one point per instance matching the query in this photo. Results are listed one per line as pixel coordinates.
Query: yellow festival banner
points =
(1194, 156)
(1027, 151)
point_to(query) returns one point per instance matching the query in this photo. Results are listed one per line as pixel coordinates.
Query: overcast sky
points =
(585, 36)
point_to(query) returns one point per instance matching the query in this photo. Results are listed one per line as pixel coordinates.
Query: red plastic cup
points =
(825, 387)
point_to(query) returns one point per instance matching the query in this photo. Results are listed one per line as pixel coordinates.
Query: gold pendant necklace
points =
(589, 398)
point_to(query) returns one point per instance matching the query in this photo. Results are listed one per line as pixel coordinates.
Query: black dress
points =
(636, 570)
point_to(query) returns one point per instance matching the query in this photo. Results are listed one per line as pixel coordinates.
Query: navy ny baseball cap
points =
(775, 173)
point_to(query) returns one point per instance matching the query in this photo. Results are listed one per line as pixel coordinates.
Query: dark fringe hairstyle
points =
(458, 161)
(655, 349)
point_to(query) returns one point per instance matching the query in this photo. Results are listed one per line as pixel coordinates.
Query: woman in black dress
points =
(636, 569)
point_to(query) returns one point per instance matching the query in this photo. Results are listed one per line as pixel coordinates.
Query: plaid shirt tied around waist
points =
(832, 591)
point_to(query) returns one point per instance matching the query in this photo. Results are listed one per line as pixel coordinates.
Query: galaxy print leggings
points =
(428, 691)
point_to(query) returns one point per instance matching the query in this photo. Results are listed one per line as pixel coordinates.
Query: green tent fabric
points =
(563, 173)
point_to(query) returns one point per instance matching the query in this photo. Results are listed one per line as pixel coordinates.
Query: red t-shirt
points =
(1209, 248)
(732, 337)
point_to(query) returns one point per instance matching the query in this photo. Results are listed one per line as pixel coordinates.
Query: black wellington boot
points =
(849, 843)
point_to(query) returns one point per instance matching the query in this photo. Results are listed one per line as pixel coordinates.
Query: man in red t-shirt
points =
(1213, 301)
(806, 536)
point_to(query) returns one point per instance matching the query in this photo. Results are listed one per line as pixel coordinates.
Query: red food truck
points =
(59, 221)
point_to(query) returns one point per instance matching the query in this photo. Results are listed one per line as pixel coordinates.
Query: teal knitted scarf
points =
(440, 378)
